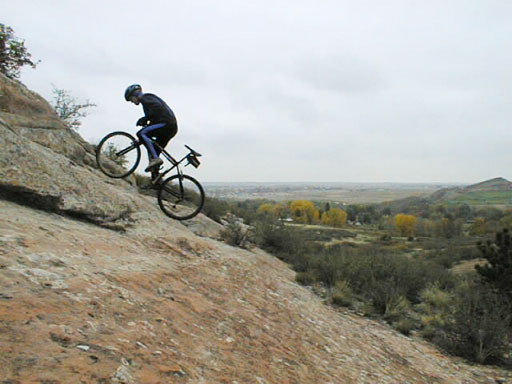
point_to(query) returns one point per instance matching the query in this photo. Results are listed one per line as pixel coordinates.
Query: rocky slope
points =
(98, 286)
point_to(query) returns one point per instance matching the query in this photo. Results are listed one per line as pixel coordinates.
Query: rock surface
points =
(153, 302)
(157, 304)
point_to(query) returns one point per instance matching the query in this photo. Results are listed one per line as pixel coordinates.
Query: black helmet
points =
(131, 90)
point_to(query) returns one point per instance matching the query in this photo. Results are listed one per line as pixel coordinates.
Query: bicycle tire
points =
(130, 150)
(177, 205)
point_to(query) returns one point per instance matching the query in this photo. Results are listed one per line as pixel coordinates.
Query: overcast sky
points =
(292, 90)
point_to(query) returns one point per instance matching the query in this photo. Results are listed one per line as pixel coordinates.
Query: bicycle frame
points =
(175, 164)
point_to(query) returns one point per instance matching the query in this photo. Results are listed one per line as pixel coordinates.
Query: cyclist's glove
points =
(142, 121)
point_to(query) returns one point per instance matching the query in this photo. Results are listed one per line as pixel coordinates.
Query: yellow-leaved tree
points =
(304, 212)
(277, 210)
(406, 224)
(334, 217)
(266, 208)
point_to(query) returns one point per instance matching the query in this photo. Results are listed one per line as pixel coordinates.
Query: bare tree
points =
(68, 108)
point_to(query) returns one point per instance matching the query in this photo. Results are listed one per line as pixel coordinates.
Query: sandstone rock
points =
(84, 348)
(29, 115)
(34, 175)
(123, 375)
(235, 316)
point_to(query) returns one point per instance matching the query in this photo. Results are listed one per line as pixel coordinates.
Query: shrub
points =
(498, 271)
(275, 237)
(451, 255)
(386, 238)
(13, 53)
(215, 208)
(382, 279)
(69, 110)
(404, 326)
(342, 294)
(141, 180)
(435, 310)
(479, 328)
(305, 278)
(111, 152)
(328, 268)
(397, 308)
(235, 232)
(301, 261)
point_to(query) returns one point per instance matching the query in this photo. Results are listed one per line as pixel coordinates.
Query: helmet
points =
(132, 90)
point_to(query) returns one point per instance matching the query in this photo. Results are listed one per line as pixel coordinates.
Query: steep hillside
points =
(98, 286)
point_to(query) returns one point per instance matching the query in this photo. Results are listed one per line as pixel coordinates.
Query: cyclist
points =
(158, 122)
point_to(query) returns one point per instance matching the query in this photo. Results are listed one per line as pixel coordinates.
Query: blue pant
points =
(160, 132)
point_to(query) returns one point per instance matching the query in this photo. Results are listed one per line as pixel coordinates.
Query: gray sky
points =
(292, 90)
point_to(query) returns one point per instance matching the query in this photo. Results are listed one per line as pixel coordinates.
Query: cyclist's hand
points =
(142, 121)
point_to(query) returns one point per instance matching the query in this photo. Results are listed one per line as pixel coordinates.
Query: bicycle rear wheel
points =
(181, 198)
(118, 154)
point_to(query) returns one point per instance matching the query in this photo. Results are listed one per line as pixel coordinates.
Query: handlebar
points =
(192, 151)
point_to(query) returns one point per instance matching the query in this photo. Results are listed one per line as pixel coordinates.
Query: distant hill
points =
(496, 184)
(497, 191)
(494, 192)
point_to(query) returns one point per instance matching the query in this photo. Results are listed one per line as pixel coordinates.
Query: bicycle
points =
(180, 196)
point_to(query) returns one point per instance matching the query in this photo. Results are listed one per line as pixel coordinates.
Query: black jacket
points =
(156, 110)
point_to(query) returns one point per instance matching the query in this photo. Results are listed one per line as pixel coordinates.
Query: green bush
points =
(141, 180)
(215, 208)
(498, 270)
(397, 309)
(13, 53)
(390, 282)
(305, 278)
(451, 255)
(479, 328)
(342, 294)
(274, 236)
(328, 268)
(435, 309)
(404, 326)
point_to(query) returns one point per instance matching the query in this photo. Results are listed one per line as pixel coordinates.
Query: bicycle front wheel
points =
(118, 154)
(181, 197)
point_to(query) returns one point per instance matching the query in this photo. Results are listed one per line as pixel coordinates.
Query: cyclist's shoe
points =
(154, 163)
